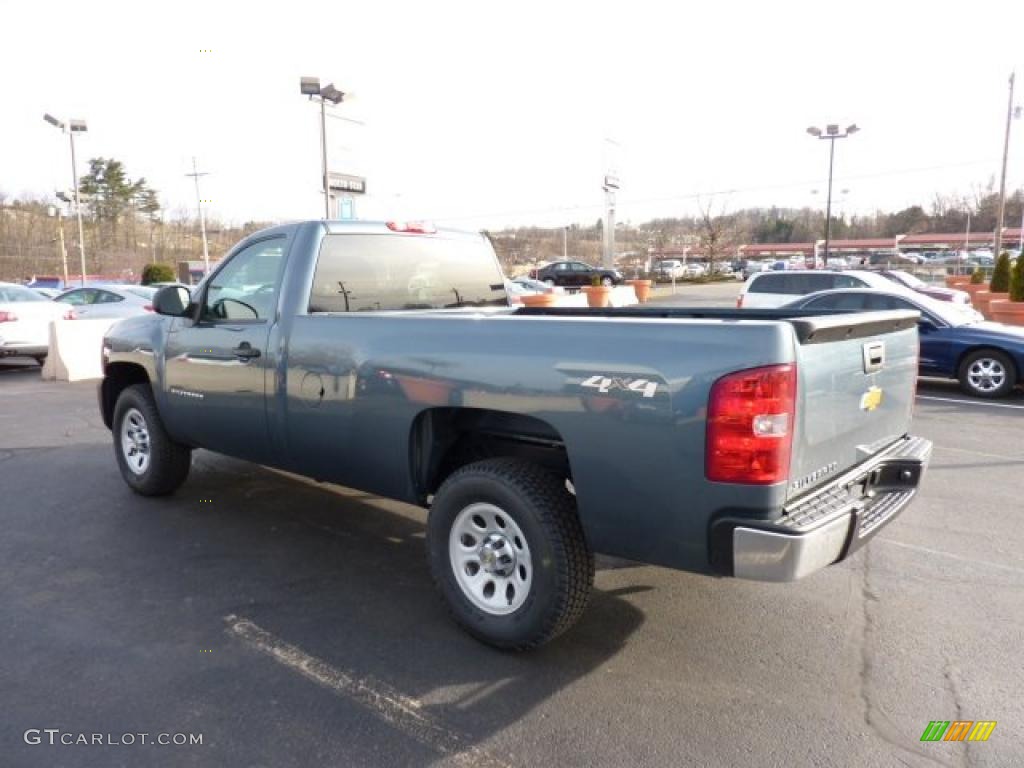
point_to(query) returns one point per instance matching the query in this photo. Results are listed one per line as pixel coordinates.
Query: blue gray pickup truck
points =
(384, 357)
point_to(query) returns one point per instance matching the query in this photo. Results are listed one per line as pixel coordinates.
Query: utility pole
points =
(1002, 180)
(202, 219)
(967, 243)
(611, 184)
(565, 243)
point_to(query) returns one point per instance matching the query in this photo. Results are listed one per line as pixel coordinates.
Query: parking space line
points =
(397, 710)
(951, 556)
(971, 402)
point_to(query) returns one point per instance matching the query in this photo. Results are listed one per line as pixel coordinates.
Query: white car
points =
(693, 270)
(25, 319)
(768, 290)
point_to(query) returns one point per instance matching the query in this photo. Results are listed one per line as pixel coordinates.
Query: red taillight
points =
(412, 227)
(8, 317)
(739, 301)
(69, 314)
(750, 426)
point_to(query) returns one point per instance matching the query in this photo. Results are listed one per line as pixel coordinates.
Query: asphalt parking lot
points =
(294, 624)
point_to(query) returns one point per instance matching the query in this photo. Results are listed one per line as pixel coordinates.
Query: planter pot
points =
(985, 298)
(642, 289)
(973, 289)
(426, 391)
(598, 295)
(1006, 311)
(957, 281)
(540, 300)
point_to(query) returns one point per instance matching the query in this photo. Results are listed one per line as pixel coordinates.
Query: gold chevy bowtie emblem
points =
(871, 399)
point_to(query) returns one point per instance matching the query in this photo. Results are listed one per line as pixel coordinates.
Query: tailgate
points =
(855, 392)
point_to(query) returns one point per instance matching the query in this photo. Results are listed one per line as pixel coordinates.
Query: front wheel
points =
(987, 373)
(151, 463)
(508, 554)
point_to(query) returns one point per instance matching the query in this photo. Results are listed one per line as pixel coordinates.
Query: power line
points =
(710, 193)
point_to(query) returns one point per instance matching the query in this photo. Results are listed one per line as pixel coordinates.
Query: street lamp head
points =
(77, 126)
(851, 129)
(53, 121)
(814, 130)
(832, 129)
(310, 86)
(332, 94)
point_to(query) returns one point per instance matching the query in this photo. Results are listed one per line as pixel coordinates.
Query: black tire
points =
(993, 360)
(168, 462)
(539, 505)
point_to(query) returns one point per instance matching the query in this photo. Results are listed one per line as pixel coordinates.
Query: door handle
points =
(245, 351)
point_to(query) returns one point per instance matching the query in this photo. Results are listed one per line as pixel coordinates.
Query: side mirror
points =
(172, 300)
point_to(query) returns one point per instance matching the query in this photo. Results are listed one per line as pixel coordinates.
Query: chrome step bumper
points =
(833, 521)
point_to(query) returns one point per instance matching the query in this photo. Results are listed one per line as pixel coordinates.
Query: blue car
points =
(986, 358)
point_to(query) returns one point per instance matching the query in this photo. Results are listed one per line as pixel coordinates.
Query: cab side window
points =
(246, 287)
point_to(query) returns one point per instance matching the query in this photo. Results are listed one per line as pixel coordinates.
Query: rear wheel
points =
(508, 554)
(150, 462)
(987, 373)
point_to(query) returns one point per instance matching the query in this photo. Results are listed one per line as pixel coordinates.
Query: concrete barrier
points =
(622, 296)
(75, 347)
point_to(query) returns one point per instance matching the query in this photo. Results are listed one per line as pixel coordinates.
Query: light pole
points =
(72, 127)
(1002, 181)
(830, 134)
(310, 86)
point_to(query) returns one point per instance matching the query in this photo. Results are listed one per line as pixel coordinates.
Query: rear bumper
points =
(23, 350)
(828, 524)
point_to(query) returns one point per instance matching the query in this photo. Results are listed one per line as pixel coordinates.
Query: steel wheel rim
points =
(490, 559)
(135, 446)
(986, 374)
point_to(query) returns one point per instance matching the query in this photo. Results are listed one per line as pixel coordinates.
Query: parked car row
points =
(956, 342)
(775, 289)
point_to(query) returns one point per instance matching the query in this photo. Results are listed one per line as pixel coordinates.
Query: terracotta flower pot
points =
(598, 295)
(1006, 311)
(973, 289)
(985, 299)
(642, 289)
(540, 300)
(426, 391)
(957, 281)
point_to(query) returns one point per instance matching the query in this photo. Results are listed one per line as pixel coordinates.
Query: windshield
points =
(142, 291)
(908, 279)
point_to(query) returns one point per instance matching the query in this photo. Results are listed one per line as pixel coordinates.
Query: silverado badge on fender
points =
(871, 399)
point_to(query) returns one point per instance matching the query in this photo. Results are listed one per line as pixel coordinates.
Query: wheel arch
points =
(968, 351)
(118, 377)
(443, 439)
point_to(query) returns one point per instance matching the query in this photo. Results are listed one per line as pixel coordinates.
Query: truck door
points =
(216, 371)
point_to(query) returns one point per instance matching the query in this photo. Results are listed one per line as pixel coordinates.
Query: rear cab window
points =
(379, 272)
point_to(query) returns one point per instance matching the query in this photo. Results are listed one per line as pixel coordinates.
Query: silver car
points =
(99, 301)
(25, 319)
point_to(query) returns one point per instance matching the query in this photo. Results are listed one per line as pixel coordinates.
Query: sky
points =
(482, 114)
